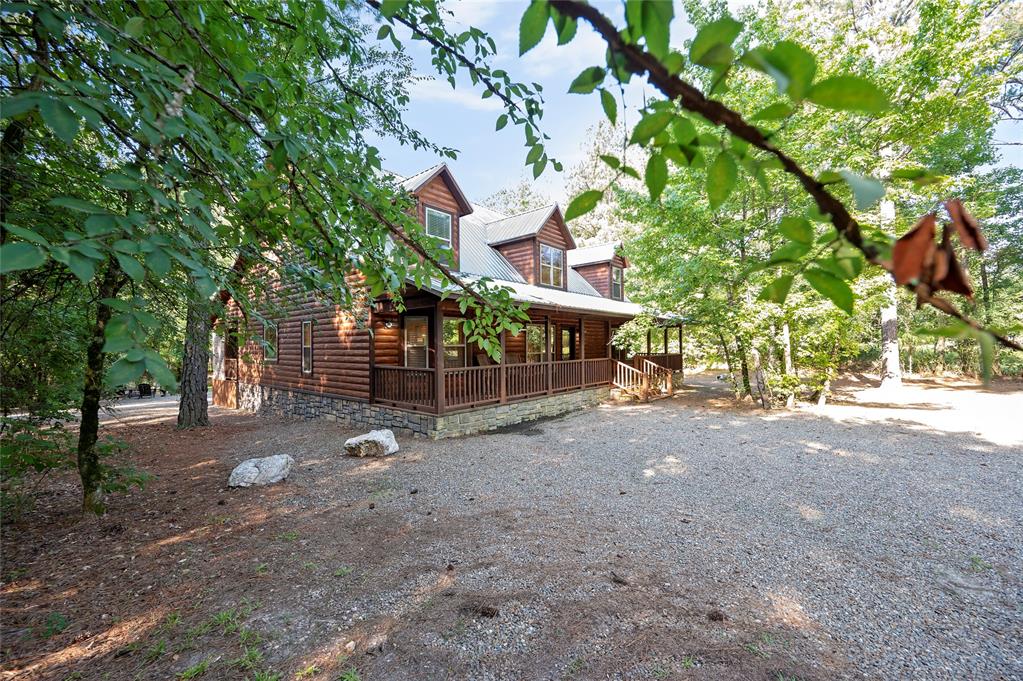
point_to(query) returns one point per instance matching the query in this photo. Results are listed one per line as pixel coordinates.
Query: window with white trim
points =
(438, 225)
(536, 339)
(552, 265)
(307, 346)
(616, 282)
(269, 342)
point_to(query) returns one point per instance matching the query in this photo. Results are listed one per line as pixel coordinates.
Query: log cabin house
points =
(414, 370)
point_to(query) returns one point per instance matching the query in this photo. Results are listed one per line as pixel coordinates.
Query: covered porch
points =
(557, 352)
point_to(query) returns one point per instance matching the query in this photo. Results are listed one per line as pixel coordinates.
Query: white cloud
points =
(440, 91)
(476, 13)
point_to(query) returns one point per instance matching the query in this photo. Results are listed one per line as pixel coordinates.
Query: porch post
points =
(666, 345)
(681, 355)
(608, 350)
(438, 356)
(503, 372)
(372, 354)
(648, 332)
(549, 353)
(582, 351)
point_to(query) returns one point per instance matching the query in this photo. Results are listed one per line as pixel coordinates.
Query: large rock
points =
(263, 471)
(373, 443)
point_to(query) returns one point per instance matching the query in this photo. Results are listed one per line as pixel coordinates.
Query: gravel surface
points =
(878, 538)
(836, 544)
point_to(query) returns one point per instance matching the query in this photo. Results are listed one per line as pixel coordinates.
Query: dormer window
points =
(552, 266)
(616, 283)
(438, 225)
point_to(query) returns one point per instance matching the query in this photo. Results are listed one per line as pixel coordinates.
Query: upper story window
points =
(438, 225)
(616, 282)
(552, 266)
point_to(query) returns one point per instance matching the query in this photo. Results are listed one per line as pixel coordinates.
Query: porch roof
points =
(558, 299)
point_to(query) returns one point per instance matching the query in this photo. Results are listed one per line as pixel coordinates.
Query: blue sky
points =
(489, 160)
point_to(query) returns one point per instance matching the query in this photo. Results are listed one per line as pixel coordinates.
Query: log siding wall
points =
(436, 195)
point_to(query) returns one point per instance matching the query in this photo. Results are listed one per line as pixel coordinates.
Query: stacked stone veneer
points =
(284, 402)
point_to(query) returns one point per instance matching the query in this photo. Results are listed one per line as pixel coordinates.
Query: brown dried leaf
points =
(954, 277)
(914, 251)
(966, 225)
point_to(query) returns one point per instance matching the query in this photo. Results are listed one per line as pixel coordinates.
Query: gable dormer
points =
(603, 267)
(439, 205)
(536, 243)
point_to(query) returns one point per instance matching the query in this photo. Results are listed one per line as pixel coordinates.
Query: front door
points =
(566, 341)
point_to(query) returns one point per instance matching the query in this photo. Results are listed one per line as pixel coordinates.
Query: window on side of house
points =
(269, 342)
(454, 343)
(307, 346)
(438, 225)
(617, 280)
(535, 340)
(552, 266)
(417, 333)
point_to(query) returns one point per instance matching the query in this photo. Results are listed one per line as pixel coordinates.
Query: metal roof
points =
(591, 254)
(518, 226)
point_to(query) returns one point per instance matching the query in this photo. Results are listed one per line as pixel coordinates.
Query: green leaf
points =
(19, 104)
(120, 181)
(867, 190)
(790, 252)
(587, 81)
(533, 25)
(657, 16)
(59, 118)
(712, 44)
(158, 369)
(122, 371)
(391, 7)
(607, 100)
(774, 112)
(650, 125)
(778, 290)
(849, 93)
(583, 204)
(158, 262)
(831, 287)
(721, 178)
(502, 121)
(797, 229)
(611, 161)
(791, 67)
(20, 256)
(27, 234)
(132, 267)
(81, 266)
(566, 27)
(134, 26)
(384, 32)
(77, 204)
(656, 175)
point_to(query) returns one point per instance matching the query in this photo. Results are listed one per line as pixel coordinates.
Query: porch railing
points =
(407, 387)
(668, 360)
(467, 387)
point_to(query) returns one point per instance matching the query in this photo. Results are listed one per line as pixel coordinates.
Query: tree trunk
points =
(763, 391)
(193, 410)
(891, 369)
(786, 348)
(985, 289)
(89, 468)
(744, 365)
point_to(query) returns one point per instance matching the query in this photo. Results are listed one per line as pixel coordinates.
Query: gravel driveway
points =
(678, 539)
(674, 538)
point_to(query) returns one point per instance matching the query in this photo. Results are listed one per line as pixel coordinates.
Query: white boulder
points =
(373, 443)
(263, 471)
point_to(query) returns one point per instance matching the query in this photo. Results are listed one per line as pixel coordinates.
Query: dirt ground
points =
(688, 538)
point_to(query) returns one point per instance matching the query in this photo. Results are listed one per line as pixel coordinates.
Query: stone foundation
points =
(359, 413)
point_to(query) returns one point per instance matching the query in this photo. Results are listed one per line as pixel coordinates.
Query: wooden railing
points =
(526, 380)
(598, 371)
(567, 374)
(472, 386)
(467, 387)
(660, 377)
(408, 387)
(671, 361)
(631, 378)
